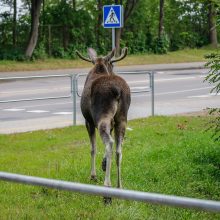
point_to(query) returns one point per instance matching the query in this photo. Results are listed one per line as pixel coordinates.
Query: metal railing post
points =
(152, 92)
(73, 90)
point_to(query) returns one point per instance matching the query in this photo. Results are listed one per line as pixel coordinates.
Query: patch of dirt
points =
(204, 112)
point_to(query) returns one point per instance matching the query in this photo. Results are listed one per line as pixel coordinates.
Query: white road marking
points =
(198, 96)
(174, 92)
(139, 88)
(165, 79)
(175, 79)
(37, 111)
(204, 96)
(62, 113)
(48, 104)
(181, 91)
(13, 109)
(136, 82)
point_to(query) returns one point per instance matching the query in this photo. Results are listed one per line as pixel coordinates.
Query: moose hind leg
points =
(119, 136)
(104, 129)
(91, 130)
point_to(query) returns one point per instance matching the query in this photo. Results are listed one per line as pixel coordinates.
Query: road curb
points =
(148, 67)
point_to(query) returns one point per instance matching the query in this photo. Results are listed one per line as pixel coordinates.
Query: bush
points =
(214, 78)
(40, 52)
(12, 54)
(161, 45)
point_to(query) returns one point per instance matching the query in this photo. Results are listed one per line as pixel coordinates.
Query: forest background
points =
(39, 29)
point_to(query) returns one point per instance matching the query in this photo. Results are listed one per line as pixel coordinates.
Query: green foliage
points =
(214, 73)
(12, 54)
(214, 79)
(40, 52)
(161, 45)
(185, 25)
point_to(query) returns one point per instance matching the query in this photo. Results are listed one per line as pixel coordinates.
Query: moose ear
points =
(92, 54)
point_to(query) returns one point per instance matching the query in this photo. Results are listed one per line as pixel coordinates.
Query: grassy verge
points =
(170, 155)
(187, 55)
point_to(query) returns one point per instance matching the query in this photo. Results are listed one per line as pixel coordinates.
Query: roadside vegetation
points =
(181, 56)
(42, 29)
(169, 155)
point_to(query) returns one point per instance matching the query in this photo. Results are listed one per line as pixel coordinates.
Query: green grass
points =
(187, 55)
(169, 155)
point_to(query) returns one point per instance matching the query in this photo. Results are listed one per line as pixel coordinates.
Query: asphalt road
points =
(176, 91)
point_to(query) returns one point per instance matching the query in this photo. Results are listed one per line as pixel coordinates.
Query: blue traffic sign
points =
(113, 16)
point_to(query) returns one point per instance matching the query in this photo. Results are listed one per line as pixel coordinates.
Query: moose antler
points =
(82, 57)
(110, 55)
(123, 55)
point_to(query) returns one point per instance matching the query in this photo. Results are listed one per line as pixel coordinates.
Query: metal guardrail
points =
(154, 198)
(34, 77)
(74, 90)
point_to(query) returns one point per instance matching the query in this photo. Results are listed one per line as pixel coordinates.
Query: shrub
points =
(12, 54)
(40, 52)
(214, 78)
(161, 45)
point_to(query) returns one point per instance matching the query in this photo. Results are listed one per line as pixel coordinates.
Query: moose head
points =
(105, 61)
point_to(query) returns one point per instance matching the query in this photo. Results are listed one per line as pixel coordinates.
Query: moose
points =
(104, 104)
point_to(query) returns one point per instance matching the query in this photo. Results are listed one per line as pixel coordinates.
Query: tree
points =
(212, 23)
(15, 23)
(99, 22)
(35, 15)
(161, 19)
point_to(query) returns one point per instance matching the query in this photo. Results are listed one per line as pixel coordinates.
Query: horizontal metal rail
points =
(135, 72)
(36, 77)
(154, 198)
(146, 89)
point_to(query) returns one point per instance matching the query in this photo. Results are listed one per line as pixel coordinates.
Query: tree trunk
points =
(98, 25)
(35, 14)
(118, 32)
(212, 24)
(15, 23)
(65, 37)
(161, 19)
(74, 5)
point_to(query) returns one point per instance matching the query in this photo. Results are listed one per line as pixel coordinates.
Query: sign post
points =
(113, 18)
(113, 38)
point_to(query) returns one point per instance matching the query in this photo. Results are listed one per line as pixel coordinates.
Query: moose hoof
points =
(107, 200)
(104, 164)
(93, 178)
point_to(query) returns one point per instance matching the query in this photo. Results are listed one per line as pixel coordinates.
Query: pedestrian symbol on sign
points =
(112, 18)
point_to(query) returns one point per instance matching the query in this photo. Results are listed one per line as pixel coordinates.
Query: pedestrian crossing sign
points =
(113, 16)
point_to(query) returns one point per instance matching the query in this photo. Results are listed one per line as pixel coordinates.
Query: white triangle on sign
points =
(112, 18)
